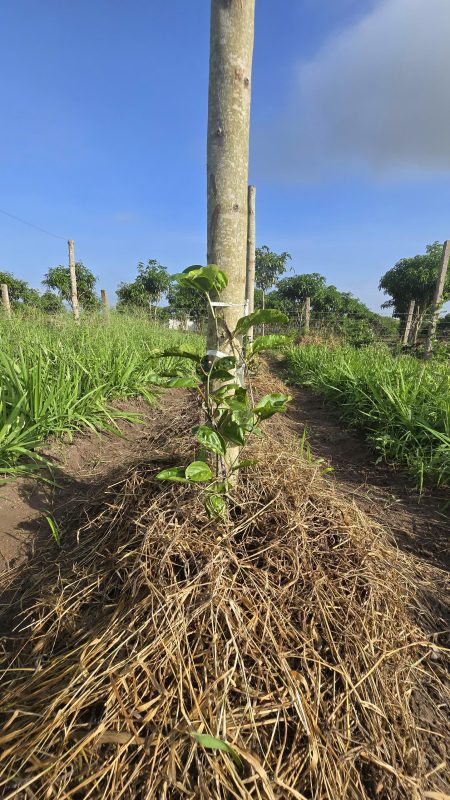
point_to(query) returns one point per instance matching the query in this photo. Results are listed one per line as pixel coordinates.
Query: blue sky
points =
(104, 129)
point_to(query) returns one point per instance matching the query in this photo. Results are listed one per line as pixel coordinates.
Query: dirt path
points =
(419, 524)
(78, 470)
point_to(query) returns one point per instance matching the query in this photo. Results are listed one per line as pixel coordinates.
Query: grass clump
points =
(402, 404)
(57, 377)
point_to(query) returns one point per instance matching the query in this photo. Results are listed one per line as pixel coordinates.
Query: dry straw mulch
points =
(299, 635)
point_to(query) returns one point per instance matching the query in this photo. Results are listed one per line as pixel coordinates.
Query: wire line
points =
(31, 225)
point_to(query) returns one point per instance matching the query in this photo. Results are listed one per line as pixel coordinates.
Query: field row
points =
(57, 378)
(403, 405)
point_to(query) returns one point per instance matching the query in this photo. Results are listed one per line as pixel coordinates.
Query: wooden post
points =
(230, 66)
(408, 323)
(251, 247)
(437, 299)
(105, 302)
(416, 325)
(307, 314)
(73, 283)
(5, 300)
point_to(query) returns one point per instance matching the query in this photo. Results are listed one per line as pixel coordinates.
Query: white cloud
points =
(376, 97)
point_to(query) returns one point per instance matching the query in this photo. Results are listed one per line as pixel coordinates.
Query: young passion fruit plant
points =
(230, 416)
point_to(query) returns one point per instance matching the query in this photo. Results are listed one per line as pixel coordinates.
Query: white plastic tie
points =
(220, 304)
(217, 353)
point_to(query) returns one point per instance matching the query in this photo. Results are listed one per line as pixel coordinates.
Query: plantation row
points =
(403, 405)
(56, 378)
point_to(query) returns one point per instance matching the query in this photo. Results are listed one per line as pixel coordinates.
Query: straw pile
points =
(296, 635)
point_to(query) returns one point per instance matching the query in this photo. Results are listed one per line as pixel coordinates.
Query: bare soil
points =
(78, 468)
(419, 523)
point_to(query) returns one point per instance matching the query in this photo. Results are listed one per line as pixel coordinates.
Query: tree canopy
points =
(19, 290)
(50, 303)
(148, 287)
(268, 267)
(414, 279)
(186, 303)
(58, 278)
(294, 291)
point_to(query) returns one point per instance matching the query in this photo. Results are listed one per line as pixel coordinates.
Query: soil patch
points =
(78, 468)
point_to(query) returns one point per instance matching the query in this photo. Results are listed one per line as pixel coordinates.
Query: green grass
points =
(403, 405)
(58, 378)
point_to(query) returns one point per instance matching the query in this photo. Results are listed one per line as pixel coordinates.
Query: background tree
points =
(131, 296)
(50, 303)
(147, 289)
(328, 300)
(186, 303)
(294, 291)
(414, 279)
(268, 268)
(154, 279)
(19, 291)
(58, 278)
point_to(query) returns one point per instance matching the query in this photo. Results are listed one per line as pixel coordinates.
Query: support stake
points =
(5, 300)
(73, 283)
(437, 299)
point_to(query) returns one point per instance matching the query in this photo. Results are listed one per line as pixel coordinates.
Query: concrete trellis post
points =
(230, 66)
(105, 302)
(408, 323)
(307, 314)
(5, 300)
(437, 299)
(73, 283)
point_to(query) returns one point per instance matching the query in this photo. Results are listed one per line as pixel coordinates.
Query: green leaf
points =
(222, 375)
(216, 505)
(270, 404)
(266, 315)
(245, 417)
(238, 402)
(226, 362)
(211, 743)
(172, 474)
(220, 278)
(246, 462)
(192, 268)
(223, 391)
(185, 382)
(53, 525)
(211, 440)
(198, 472)
(204, 279)
(232, 430)
(269, 342)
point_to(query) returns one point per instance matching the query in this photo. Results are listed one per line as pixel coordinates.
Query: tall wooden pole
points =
(230, 66)
(439, 289)
(5, 300)
(73, 283)
(251, 248)
(408, 323)
(105, 302)
(307, 314)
